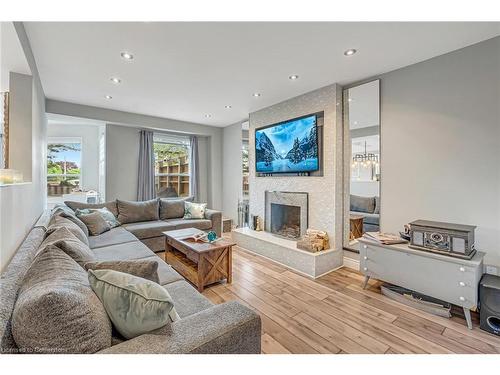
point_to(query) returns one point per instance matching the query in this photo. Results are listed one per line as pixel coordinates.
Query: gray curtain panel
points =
(194, 186)
(146, 181)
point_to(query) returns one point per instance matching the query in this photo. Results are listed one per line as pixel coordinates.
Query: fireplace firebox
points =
(286, 213)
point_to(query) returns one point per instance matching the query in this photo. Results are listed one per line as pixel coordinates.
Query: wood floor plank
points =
(272, 346)
(478, 344)
(288, 340)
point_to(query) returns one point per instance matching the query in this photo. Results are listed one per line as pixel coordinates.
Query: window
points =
(172, 176)
(64, 158)
(245, 166)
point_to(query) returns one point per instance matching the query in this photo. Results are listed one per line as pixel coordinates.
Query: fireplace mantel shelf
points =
(285, 252)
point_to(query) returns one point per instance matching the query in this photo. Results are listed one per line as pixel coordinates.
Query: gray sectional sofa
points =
(203, 327)
(369, 208)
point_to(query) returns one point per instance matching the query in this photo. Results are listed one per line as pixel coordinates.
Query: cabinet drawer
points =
(448, 281)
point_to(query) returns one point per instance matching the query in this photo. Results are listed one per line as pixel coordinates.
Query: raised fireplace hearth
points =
(286, 213)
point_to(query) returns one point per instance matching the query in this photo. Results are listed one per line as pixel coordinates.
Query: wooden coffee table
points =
(199, 262)
(356, 224)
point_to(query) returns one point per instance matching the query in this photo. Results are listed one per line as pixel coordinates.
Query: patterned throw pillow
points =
(194, 210)
(106, 214)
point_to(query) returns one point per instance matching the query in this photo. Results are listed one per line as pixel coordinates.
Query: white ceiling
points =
(12, 57)
(187, 70)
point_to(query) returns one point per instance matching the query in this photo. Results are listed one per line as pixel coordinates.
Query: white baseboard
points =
(351, 263)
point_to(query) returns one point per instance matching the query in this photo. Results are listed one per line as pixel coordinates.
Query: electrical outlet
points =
(492, 270)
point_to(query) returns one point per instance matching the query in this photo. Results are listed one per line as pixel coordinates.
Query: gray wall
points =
(122, 166)
(130, 123)
(232, 173)
(440, 139)
(21, 205)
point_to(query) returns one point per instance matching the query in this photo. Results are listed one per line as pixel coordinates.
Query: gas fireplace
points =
(286, 213)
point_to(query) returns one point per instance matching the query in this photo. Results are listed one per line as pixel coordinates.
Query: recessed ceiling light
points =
(228, 107)
(116, 80)
(127, 55)
(293, 77)
(350, 52)
(257, 94)
(108, 97)
(208, 115)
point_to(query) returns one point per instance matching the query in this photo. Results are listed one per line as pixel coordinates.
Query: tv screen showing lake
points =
(289, 147)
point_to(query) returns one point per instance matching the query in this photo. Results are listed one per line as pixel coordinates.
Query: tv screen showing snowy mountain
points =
(288, 147)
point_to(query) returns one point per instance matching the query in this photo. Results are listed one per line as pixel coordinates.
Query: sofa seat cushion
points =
(57, 311)
(113, 237)
(123, 251)
(186, 299)
(202, 224)
(166, 273)
(148, 229)
(368, 218)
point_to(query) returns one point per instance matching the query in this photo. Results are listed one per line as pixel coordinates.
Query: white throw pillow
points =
(194, 210)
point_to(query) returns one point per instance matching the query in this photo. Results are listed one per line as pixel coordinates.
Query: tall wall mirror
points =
(362, 162)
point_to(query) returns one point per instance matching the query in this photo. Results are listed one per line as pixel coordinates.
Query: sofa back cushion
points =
(57, 222)
(70, 244)
(68, 213)
(133, 212)
(57, 311)
(111, 205)
(173, 208)
(145, 268)
(362, 204)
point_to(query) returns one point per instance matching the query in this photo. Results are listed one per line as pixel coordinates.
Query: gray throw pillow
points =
(134, 305)
(133, 212)
(70, 244)
(362, 204)
(59, 221)
(68, 213)
(111, 205)
(104, 212)
(147, 269)
(95, 223)
(56, 310)
(377, 206)
(171, 208)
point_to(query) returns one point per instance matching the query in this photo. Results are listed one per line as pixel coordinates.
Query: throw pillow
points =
(104, 212)
(147, 269)
(69, 214)
(111, 205)
(173, 208)
(70, 244)
(59, 221)
(134, 305)
(56, 310)
(133, 212)
(95, 223)
(362, 204)
(194, 210)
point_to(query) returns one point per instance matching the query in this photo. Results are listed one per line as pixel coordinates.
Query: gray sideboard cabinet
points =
(450, 279)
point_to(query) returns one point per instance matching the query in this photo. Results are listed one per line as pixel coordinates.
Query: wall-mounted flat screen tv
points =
(288, 147)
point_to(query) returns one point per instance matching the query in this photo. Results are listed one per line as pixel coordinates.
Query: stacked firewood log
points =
(313, 241)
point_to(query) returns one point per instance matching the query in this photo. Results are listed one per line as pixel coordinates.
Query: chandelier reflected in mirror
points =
(365, 159)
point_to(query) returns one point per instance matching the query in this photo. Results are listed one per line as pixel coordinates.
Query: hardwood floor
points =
(333, 314)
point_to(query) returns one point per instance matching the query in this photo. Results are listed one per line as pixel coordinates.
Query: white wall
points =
(440, 137)
(21, 205)
(325, 192)
(124, 120)
(90, 149)
(232, 173)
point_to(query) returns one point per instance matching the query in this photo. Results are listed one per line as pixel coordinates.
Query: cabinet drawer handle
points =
(364, 246)
(461, 283)
(365, 269)
(365, 258)
(462, 269)
(462, 299)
